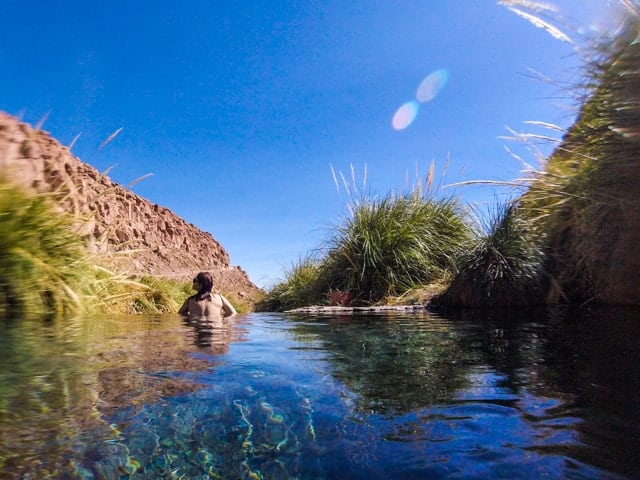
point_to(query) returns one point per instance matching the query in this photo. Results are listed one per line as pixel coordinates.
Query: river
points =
(466, 395)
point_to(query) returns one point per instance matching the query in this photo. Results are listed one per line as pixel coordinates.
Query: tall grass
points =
(300, 287)
(585, 198)
(571, 238)
(503, 268)
(46, 268)
(384, 247)
(392, 244)
(43, 262)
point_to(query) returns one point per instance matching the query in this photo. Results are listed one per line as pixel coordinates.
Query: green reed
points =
(42, 259)
(300, 287)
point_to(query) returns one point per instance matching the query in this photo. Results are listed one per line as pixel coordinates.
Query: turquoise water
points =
(501, 395)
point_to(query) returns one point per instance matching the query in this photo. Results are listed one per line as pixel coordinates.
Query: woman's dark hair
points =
(205, 282)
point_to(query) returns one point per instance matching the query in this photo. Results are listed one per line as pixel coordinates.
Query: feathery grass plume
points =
(42, 258)
(391, 244)
(300, 288)
(503, 268)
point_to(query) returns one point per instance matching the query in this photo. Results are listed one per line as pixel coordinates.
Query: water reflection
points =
(501, 394)
(212, 333)
(394, 365)
(59, 381)
(574, 376)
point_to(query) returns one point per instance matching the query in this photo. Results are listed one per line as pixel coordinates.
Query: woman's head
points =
(203, 282)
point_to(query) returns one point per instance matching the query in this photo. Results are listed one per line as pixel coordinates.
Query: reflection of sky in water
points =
(427, 90)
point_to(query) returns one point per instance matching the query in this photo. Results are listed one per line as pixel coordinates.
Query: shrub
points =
(388, 246)
(503, 268)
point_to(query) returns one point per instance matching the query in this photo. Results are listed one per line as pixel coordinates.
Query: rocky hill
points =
(137, 236)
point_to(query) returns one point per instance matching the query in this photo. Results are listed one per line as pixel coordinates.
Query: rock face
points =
(139, 237)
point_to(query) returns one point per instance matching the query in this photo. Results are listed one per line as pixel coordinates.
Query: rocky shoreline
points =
(333, 310)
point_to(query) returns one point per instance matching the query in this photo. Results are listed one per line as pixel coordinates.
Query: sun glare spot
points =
(431, 85)
(405, 115)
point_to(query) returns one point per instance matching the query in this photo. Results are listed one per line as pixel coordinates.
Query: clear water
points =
(501, 395)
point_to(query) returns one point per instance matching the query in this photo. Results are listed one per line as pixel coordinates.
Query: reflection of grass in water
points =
(61, 380)
(391, 364)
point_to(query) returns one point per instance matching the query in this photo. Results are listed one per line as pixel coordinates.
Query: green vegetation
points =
(572, 237)
(393, 244)
(43, 264)
(301, 287)
(503, 268)
(591, 211)
(385, 248)
(46, 268)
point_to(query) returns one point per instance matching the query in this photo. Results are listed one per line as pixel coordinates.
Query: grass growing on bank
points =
(503, 268)
(391, 245)
(43, 264)
(384, 248)
(300, 287)
(572, 238)
(46, 268)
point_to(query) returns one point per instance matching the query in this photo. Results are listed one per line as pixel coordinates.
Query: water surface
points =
(500, 395)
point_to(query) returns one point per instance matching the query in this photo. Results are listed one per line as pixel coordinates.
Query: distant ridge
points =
(164, 244)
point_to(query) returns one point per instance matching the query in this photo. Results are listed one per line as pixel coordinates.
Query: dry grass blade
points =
(110, 138)
(540, 23)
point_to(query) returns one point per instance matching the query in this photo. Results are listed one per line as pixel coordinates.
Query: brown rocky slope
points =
(156, 242)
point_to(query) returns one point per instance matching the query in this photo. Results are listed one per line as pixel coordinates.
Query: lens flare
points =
(405, 115)
(431, 85)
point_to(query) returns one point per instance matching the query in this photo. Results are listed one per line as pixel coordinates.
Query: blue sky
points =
(239, 109)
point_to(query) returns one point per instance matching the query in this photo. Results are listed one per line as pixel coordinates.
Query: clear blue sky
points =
(239, 108)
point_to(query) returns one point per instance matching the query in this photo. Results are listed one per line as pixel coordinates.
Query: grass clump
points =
(43, 262)
(46, 267)
(391, 245)
(503, 268)
(585, 198)
(160, 296)
(383, 249)
(300, 287)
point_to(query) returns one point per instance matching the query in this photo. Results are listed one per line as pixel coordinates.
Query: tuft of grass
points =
(160, 296)
(46, 268)
(503, 268)
(393, 244)
(43, 262)
(586, 197)
(384, 248)
(300, 287)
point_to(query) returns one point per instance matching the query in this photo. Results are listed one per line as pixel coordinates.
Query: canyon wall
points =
(135, 236)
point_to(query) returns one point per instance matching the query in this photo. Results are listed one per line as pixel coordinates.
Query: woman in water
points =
(205, 303)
